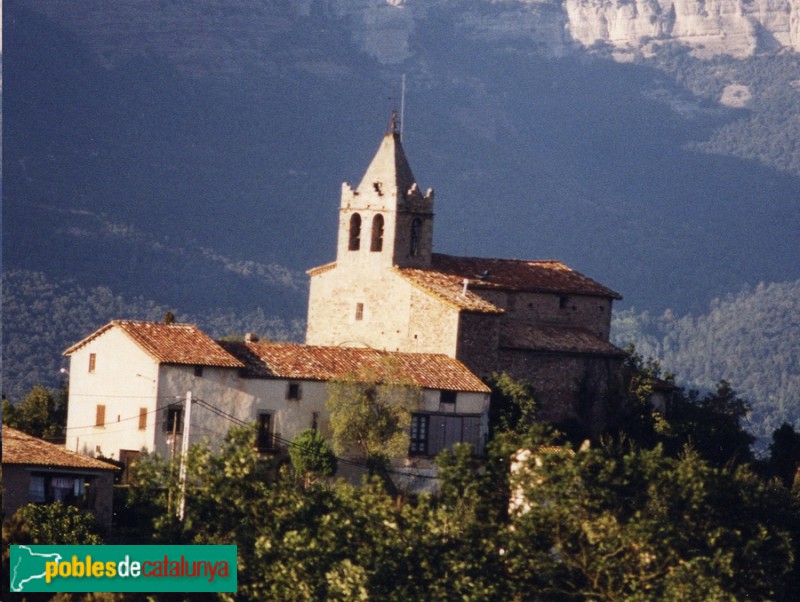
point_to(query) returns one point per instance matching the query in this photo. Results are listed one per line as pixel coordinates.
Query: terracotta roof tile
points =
(21, 448)
(445, 278)
(561, 339)
(308, 362)
(170, 343)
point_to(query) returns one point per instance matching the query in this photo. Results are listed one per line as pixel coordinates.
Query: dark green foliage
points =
(784, 455)
(43, 413)
(513, 404)
(749, 339)
(616, 524)
(312, 456)
(610, 523)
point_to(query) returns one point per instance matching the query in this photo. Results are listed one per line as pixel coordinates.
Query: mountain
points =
(751, 339)
(193, 153)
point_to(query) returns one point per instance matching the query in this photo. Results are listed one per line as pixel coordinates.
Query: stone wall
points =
(582, 388)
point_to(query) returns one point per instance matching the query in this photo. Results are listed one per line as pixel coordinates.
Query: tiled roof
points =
(170, 343)
(308, 362)
(560, 339)
(21, 448)
(445, 279)
(449, 288)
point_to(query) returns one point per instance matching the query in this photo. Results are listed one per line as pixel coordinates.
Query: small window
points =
(293, 391)
(142, 419)
(266, 440)
(416, 226)
(419, 435)
(563, 302)
(448, 397)
(198, 371)
(354, 243)
(315, 420)
(173, 420)
(376, 246)
(100, 415)
(92, 361)
(359, 311)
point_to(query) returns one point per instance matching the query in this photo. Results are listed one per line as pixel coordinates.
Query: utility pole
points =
(187, 423)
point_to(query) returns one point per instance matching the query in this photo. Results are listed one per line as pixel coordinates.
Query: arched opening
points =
(416, 226)
(377, 234)
(355, 233)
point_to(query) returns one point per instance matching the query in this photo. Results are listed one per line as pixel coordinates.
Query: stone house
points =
(35, 471)
(539, 321)
(129, 382)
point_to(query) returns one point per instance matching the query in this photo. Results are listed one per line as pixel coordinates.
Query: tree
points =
(43, 413)
(312, 456)
(631, 524)
(513, 405)
(784, 458)
(371, 412)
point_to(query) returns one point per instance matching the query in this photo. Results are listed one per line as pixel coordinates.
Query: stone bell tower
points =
(386, 221)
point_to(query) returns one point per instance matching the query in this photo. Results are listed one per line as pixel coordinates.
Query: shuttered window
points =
(142, 419)
(100, 415)
(433, 433)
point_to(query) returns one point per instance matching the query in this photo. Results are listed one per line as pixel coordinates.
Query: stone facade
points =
(540, 321)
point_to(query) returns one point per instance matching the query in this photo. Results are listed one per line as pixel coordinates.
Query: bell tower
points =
(386, 221)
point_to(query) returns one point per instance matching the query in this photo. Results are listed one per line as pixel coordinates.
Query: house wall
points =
(124, 380)
(16, 484)
(584, 388)
(242, 398)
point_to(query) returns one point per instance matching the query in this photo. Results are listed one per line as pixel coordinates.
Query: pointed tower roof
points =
(389, 172)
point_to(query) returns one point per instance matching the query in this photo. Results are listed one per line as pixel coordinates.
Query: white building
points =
(129, 382)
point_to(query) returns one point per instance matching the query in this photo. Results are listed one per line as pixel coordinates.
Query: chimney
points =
(251, 337)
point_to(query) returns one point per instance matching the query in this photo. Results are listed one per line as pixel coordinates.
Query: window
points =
(432, 433)
(315, 420)
(416, 226)
(142, 419)
(563, 302)
(173, 420)
(198, 371)
(419, 435)
(359, 311)
(92, 361)
(293, 391)
(100, 415)
(377, 234)
(266, 439)
(447, 397)
(355, 233)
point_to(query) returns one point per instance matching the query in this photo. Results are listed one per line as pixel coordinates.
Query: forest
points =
(751, 338)
(668, 507)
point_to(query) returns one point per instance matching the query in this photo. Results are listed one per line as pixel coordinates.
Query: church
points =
(539, 321)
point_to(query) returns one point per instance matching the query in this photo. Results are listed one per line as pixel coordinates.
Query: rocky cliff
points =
(225, 34)
(709, 27)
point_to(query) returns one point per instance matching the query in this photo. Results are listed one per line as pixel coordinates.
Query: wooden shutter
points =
(100, 417)
(142, 419)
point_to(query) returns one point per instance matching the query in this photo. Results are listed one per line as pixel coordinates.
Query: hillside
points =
(751, 339)
(162, 145)
(42, 317)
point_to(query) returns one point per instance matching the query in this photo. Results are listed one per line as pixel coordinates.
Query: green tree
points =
(371, 412)
(784, 458)
(43, 413)
(312, 456)
(513, 404)
(631, 524)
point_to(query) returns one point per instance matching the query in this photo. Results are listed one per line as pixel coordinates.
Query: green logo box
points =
(202, 568)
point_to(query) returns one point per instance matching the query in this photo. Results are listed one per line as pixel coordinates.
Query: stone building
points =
(539, 321)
